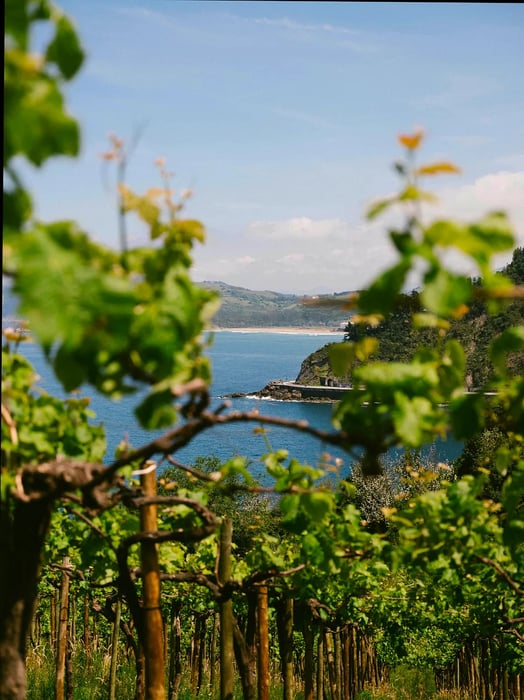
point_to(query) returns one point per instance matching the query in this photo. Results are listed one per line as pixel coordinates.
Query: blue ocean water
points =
(242, 362)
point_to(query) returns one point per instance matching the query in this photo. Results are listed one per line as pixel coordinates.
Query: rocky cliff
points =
(316, 370)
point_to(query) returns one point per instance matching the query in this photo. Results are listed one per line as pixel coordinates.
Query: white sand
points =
(312, 330)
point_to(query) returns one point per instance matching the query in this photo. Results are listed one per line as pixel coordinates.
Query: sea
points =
(242, 362)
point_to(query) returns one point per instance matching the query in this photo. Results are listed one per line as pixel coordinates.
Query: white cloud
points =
(286, 23)
(301, 227)
(305, 255)
(291, 258)
(301, 255)
(142, 14)
(503, 190)
(303, 117)
(341, 36)
(460, 89)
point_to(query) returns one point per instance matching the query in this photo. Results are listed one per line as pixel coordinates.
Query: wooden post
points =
(330, 655)
(175, 653)
(213, 653)
(338, 663)
(320, 665)
(53, 620)
(86, 638)
(285, 623)
(62, 632)
(152, 616)
(226, 613)
(354, 661)
(309, 661)
(346, 665)
(114, 650)
(263, 644)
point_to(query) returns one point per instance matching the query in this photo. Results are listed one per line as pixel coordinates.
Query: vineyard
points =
(149, 578)
(262, 610)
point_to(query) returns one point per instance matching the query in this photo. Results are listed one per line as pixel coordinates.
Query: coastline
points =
(291, 330)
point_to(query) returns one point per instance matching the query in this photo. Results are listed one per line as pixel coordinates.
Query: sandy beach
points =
(293, 330)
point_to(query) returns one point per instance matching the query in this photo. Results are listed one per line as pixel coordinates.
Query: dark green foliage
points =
(401, 480)
(515, 269)
(413, 684)
(250, 512)
(398, 339)
(479, 454)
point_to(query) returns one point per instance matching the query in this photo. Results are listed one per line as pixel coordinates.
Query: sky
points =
(283, 117)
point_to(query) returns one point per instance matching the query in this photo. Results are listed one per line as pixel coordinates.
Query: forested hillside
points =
(398, 339)
(243, 308)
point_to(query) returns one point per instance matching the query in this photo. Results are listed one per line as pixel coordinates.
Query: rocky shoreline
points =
(291, 391)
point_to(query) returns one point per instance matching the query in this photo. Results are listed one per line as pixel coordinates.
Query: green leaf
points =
(425, 320)
(317, 505)
(65, 50)
(386, 378)
(412, 193)
(18, 19)
(404, 242)
(157, 411)
(445, 292)
(481, 240)
(148, 211)
(378, 207)
(68, 369)
(413, 419)
(444, 233)
(493, 233)
(341, 356)
(289, 505)
(467, 415)
(510, 340)
(274, 466)
(452, 369)
(381, 296)
(17, 208)
(186, 231)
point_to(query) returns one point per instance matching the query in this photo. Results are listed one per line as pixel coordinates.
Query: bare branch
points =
(53, 479)
(8, 420)
(180, 436)
(198, 473)
(514, 585)
(194, 577)
(93, 527)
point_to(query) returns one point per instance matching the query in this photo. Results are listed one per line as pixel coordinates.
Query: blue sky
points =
(282, 118)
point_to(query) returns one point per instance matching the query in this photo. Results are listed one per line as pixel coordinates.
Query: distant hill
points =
(244, 308)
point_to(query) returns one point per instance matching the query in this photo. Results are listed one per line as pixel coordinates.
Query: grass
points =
(91, 674)
(410, 684)
(388, 692)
